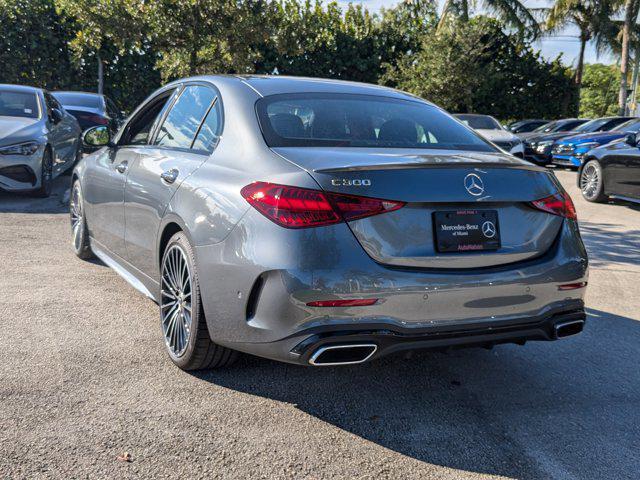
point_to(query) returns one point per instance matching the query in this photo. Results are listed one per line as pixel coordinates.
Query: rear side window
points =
(209, 133)
(348, 120)
(181, 125)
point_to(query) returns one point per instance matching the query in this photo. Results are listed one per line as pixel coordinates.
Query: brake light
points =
(558, 204)
(295, 207)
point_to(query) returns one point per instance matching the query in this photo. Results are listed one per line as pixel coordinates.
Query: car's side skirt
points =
(626, 199)
(127, 271)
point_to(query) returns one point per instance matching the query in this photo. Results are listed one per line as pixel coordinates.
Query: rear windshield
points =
(79, 99)
(18, 104)
(347, 120)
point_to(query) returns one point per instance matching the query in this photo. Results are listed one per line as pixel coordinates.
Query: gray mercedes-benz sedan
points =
(322, 222)
(38, 139)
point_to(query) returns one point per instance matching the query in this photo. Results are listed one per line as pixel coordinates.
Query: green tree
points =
(599, 90)
(479, 67)
(33, 44)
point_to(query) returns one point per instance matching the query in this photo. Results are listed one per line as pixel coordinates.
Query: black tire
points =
(79, 232)
(592, 182)
(46, 175)
(199, 351)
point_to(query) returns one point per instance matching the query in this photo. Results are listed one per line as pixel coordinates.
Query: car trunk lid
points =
(491, 186)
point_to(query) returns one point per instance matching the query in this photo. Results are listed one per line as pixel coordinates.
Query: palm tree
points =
(593, 19)
(631, 8)
(512, 12)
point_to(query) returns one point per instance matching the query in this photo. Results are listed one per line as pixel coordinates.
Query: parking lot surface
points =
(84, 379)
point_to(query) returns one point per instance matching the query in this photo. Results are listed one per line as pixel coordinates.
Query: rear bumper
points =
(256, 289)
(303, 348)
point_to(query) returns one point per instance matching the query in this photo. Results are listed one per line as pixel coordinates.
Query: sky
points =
(564, 42)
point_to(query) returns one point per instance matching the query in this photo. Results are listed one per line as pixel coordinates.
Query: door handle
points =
(170, 176)
(122, 167)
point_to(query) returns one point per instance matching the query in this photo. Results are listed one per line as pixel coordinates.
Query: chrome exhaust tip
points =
(566, 329)
(342, 354)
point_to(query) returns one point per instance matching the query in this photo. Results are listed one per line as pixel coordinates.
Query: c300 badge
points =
(350, 182)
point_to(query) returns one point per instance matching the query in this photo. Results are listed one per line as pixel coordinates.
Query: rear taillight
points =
(295, 207)
(557, 204)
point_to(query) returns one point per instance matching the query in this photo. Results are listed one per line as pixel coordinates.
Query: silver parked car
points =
(38, 139)
(490, 128)
(323, 222)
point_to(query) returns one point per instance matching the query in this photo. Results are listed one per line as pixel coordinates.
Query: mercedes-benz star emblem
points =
(489, 229)
(474, 184)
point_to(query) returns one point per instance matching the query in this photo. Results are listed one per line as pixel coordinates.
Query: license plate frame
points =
(466, 230)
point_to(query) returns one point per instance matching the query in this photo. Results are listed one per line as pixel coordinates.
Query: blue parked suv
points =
(570, 151)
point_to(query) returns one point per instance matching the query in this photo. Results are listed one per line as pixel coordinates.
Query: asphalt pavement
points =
(86, 390)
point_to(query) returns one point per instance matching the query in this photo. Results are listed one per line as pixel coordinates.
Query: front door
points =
(159, 171)
(104, 189)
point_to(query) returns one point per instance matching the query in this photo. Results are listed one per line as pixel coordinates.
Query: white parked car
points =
(490, 128)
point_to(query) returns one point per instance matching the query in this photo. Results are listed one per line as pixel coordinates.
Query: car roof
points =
(19, 88)
(75, 92)
(265, 85)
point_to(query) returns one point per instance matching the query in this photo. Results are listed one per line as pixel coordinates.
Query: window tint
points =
(138, 131)
(209, 133)
(51, 102)
(18, 104)
(346, 120)
(181, 125)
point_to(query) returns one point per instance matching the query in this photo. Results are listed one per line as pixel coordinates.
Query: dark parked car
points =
(91, 109)
(524, 126)
(612, 171)
(570, 151)
(537, 147)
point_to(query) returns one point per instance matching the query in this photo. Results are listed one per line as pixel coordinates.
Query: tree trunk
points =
(624, 58)
(580, 67)
(100, 74)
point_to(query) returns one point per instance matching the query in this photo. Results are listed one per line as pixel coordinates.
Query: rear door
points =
(161, 167)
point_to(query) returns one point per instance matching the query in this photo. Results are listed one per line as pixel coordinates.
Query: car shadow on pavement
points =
(26, 203)
(565, 409)
(610, 243)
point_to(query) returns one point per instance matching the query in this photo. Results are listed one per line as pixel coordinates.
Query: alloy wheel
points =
(176, 300)
(590, 181)
(77, 218)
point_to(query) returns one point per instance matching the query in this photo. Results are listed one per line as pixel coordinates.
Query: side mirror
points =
(56, 115)
(96, 136)
(631, 139)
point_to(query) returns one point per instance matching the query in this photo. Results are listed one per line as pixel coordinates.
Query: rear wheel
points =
(79, 234)
(46, 175)
(592, 182)
(184, 327)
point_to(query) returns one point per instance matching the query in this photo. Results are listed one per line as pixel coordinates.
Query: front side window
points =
(18, 104)
(138, 131)
(348, 120)
(181, 125)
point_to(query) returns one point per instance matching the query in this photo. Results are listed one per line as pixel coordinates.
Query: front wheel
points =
(592, 182)
(184, 327)
(79, 233)
(46, 175)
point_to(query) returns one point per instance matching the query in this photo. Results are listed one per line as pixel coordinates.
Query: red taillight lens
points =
(356, 302)
(294, 207)
(557, 204)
